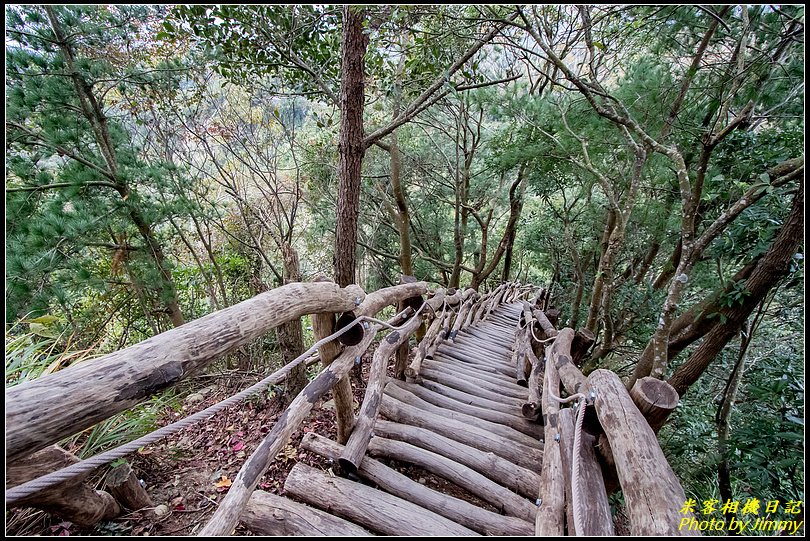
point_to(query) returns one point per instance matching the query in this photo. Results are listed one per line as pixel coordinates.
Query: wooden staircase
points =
(461, 421)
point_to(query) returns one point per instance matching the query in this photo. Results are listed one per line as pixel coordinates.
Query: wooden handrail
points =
(42, 412)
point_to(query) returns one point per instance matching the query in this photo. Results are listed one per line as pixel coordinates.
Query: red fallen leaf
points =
(238, 446)
(180, 507)
(307, 429)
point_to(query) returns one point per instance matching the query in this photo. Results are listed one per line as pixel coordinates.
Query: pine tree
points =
(81, 201)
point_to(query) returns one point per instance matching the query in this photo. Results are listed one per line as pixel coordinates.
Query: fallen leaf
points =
(224, 482)
(238, 446)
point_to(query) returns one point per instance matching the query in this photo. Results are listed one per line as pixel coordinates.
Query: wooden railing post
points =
(651, 490)
(323, 325)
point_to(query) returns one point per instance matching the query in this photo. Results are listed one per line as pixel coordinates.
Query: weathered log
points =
(492, 339)
(227, 514)
(269, 514)
(549, 521)
(412, 371)
(461, 353)
(376, 510)
(596, 516)
(652, 491)
(482, 384)
(583, 341)
(72, 500)
(407, 397)
(323, 324)
(544, 323)
(656, 400)
(470, 388)
(466, 398)
(393, 482)
(401, 361)
(356, 446)
(44, 411)
(452, 366)
(487, 372)
(496, 301)
(519, 358)
(471, 354)
(484, 440)
(472, 347)
(533, 406)
(414, 302)
(560, 357)
(500, 470)
(566, 431)
(501, 497)
(125, 487)
(468, 299)
(376, 301)
(475, 306)
(441, 337)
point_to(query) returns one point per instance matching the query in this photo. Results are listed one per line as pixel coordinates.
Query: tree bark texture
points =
(44, 411)
(773, 266)
(351, 146)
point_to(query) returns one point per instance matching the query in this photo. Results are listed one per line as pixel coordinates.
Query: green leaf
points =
(44, 320)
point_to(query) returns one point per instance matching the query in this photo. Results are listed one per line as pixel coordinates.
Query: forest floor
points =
(187, 474)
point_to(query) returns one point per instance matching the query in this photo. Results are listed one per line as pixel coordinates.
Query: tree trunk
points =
(693, 324)
(351, 146)
(403, 214)
(599, 278)
(773, 266)
(289, 334)
(516, 191)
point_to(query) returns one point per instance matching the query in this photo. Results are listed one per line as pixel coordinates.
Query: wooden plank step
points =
(523, 481)
(376, 510)
(407, 397)
(507, 419)
(467, 398)
(460, 511)
(483, 385)
(501, 497)
(471, 388)
(270, 514)
(516, 453)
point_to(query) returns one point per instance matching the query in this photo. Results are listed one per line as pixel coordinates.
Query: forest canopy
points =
(645, 164)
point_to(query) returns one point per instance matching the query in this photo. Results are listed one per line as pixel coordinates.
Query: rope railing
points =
(33, 486)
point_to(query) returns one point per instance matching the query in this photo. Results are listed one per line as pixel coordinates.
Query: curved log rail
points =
(481, 408)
